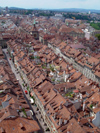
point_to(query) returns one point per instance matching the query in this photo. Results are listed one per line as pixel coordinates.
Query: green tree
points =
(95, 25)
(98, 36)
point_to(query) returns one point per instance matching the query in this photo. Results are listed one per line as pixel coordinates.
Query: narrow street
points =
(27, 97)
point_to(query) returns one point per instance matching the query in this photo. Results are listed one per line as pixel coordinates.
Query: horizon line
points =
(49, 8)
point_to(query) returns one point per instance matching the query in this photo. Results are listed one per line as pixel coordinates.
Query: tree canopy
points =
(95, 25)
(98, 36)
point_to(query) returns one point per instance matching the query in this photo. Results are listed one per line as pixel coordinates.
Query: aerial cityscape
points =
(50, 66)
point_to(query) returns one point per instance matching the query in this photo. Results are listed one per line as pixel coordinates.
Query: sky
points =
(52, 4)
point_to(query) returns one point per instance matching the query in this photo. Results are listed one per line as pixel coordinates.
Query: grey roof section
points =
(8, 98)
(5, 104)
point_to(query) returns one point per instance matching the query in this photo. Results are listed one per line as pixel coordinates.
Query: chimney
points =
(93, 64)
(55, 115)
(21, 125)
(65, 122)
(84, 106)
(67, 66)
(64, 75)
(2, 130)
(71, 123)
(18, 97)
(78, 120)
(69, 117)
(46, 61)
(65, 90)
(5, 111)
(48, 90)
(60, 122)
(98, 90)
(68, 131)
(60, 106)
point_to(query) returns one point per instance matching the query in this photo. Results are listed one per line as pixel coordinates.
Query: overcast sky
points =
(51, 4)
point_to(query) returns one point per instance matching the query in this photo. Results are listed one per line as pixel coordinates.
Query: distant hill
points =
(16, 8)
(78, 10)
(65, 9)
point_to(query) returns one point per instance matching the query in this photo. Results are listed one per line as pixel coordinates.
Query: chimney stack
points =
(60, 122)
(65, 122)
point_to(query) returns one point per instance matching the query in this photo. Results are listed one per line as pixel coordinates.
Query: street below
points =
(35, 115)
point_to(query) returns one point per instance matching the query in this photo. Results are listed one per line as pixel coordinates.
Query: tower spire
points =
(34, 23)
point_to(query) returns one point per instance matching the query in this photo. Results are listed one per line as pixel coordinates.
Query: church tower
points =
(34, 32)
